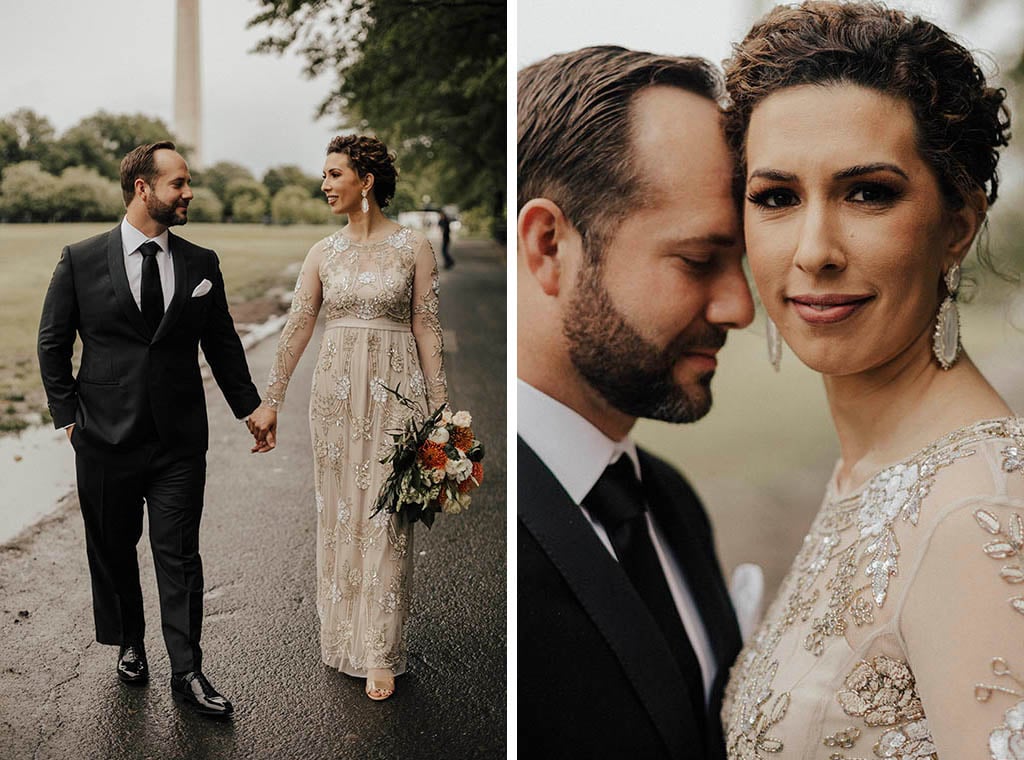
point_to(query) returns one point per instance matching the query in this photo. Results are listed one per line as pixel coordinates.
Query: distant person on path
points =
(378, 283)
(143, 300)
(630, 274)
(867, 140)
(445, 223)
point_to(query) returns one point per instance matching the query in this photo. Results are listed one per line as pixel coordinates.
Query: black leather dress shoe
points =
(132, 667)
(194, 690)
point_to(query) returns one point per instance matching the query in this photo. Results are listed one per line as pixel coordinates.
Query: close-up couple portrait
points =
(770, 352)
(254, 291)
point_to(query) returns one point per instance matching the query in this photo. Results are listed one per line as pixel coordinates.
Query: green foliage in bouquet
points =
(434, 465)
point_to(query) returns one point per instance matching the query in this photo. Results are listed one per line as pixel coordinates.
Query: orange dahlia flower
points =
(432, 455)
(462, 438)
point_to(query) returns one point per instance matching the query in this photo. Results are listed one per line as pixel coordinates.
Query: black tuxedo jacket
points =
(595, 676)
(131, 378)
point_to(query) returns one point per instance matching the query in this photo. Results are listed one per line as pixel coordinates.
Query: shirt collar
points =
(132, 238)
(573, 449)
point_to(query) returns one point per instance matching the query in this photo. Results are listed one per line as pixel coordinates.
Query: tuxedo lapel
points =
(181, 290)
(609, 599)
(119, 280)
(680, 517)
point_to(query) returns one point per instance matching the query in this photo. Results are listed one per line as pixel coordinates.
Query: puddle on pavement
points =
(37, 468)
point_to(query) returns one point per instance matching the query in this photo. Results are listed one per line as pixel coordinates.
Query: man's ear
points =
(141, 188)
(542, 228)
(965, 223)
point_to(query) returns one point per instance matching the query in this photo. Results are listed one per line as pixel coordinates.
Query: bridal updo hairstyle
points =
(961, 121)
(368, 155)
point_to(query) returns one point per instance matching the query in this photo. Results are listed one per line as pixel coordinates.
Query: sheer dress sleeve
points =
(426, 325)
(298, 329)
(963, 623)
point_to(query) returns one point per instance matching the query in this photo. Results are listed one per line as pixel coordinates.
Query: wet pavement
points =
(60, 698)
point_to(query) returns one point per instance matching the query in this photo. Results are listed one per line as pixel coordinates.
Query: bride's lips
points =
(828, 308)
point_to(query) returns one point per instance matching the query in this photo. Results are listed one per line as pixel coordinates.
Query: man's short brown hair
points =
(574, 145)
(140, 163)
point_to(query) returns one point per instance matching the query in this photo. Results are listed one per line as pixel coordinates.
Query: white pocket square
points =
(202, 289)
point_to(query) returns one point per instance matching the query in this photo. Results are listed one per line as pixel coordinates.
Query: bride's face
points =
(342, 184)
(847, 232)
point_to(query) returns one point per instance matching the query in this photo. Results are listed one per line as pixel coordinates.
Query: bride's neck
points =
(363, 227)
(888, 413)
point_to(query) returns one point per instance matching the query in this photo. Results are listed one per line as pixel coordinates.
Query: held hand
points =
(263, 426)
(68, 430)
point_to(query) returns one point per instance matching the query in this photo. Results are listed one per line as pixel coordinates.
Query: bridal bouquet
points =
(435, 464)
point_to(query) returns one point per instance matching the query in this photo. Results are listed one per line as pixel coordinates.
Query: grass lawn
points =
(253, 258)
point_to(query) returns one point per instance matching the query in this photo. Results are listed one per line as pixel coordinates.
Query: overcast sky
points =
(707, 27)
(67, 59)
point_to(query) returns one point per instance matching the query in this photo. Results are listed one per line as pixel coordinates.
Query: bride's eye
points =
(775, 197)
(873, 193)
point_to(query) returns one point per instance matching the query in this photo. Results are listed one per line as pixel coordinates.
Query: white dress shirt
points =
(131, 241)
(577, 454)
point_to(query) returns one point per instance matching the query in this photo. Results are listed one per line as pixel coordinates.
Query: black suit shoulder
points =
(95, 246)
(188, 247)
(95, 242)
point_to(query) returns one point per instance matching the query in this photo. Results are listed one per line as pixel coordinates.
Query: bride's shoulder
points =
(412, 237)
(981, 463)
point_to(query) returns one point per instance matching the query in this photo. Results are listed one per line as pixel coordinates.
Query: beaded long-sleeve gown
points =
(899, 631)
(382, 330)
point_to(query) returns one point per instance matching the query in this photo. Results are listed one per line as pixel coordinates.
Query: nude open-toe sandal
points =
(379, 689)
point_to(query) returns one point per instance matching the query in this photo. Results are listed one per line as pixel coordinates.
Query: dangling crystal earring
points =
(774, 343)
(365, 205)
(946, 343)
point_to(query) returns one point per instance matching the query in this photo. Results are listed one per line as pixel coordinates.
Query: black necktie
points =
(617, 502)
(152, 290)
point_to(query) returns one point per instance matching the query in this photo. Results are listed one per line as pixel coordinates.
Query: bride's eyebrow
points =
(861, 169)
(776, 175)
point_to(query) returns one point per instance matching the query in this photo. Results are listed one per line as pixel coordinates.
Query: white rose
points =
(460, 469)
(446, 416)
(462, 419)
(439, 435)
(437, 475)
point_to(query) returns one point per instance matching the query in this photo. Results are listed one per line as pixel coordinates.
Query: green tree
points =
(278, 177)
(27, 193)
(218, 176)
(248, 200)
(205, 206)
(10, 150)
(85, 196)
(428, 76)
(100, 141)
(36, 140)
(292, 205)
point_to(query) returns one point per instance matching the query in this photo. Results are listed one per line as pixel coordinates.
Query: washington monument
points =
(188, 115)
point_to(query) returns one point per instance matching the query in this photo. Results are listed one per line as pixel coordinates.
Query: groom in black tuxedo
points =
(142, 301)
(629, 276)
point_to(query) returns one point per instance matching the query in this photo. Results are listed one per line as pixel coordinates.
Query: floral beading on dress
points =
(382, 330)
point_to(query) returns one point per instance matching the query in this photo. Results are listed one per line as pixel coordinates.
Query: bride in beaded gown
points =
(377, 284)
(899, 630)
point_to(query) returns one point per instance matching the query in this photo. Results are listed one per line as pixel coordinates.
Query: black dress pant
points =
(111, 493)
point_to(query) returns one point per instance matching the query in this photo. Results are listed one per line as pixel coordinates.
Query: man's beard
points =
(632, 374)
(165, 213)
